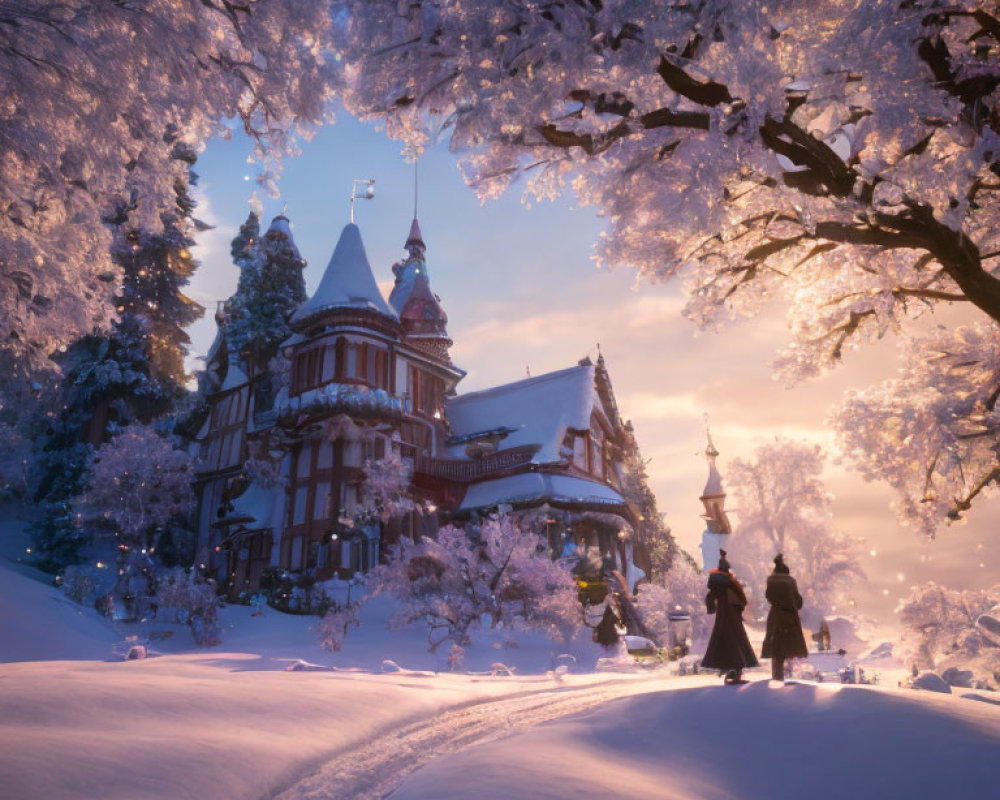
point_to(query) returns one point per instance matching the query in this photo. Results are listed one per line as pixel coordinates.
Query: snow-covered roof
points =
(713, 485)
(409, 269)
(234, 377)
(422, 315)
(348, 281)
(533, 486)
(539, 410)
(264, 506)
(280, 224)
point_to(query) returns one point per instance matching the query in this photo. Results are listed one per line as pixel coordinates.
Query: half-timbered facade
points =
(367, 378)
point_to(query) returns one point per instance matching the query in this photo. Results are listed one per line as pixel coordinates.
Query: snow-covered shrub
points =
(939, 630)
(503, 575)
(83, 583)
(134, 591)
(193, 601)
(138, 482)
(680, 589)
(385, 492)
(336, 623)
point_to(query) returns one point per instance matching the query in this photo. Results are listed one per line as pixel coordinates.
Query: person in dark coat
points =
(729, 649)
(783, 638)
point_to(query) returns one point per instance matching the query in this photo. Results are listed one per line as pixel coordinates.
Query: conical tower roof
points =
(347, 283)
(415, 239)
(713, 486)
(409, 269)
(280, 226)
(422, 314)
(714, 496)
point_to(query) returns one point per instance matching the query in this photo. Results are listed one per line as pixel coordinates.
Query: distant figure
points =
(784, 637)
(728, 650)
(822, 637)
(606, 633)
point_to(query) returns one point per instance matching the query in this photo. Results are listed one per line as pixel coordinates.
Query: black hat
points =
(779, 564)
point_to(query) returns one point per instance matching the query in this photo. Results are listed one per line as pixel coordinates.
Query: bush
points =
(194, 602)
(83, 584)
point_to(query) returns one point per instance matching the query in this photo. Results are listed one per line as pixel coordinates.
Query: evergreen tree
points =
(652, 533)
(156, 267)
(270, 288)
(133, 372)
(106, 384)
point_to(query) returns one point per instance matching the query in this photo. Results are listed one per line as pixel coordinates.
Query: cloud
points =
(652, 406)
(216, 276)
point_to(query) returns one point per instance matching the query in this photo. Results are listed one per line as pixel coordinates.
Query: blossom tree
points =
(783, 507)
(97, 98)
(385, 491)
(840, 156)
(499, 572)
(931, 432)
(680, 589)
(137, 483)
(938, 622)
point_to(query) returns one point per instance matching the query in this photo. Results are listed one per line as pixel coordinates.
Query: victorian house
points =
(368, 378)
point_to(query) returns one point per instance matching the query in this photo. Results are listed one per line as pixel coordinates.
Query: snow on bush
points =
(939, 630)
(137, 483)
(499, 575)
(681, 589)
(193, 601)
(83, 583)
(336, 623)
(385, 492)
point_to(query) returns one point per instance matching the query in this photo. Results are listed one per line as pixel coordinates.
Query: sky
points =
(524, 296)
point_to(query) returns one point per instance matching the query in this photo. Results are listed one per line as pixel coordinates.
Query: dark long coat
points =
(728, 648)
(784, 637)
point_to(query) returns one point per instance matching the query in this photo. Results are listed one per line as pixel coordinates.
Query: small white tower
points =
(717, 530)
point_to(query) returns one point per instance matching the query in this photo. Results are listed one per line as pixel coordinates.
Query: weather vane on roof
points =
(367, 191)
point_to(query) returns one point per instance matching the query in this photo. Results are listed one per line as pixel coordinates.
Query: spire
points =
(710, 452)
(407, 270)
(714, 496)
(347, 282)
(415, 241)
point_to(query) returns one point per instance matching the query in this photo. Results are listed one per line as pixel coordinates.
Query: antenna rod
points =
(367, 194)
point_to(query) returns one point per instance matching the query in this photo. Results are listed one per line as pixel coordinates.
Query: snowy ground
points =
(231, 722)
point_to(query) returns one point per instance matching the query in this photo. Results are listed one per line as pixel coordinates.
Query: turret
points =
(717, 529)
(424, 321)
(407, 270)
(347, 285)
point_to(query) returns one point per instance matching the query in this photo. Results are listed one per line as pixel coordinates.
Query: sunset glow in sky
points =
(523, 295)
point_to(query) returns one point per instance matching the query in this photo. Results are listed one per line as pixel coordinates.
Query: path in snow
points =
(377, 767)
